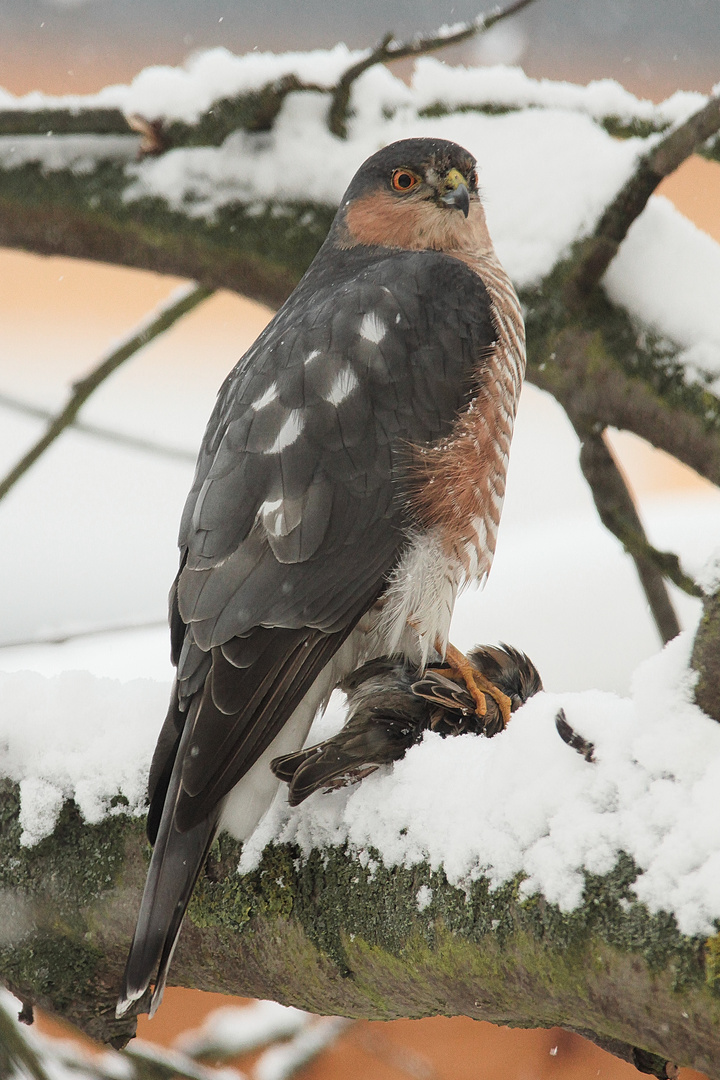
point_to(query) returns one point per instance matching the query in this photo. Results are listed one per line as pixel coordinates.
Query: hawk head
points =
(416, 194)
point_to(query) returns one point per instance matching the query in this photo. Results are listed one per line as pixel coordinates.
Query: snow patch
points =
(75, 736)
(525, 803)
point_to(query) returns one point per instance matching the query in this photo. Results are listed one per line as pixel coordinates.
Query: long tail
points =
(177, 860)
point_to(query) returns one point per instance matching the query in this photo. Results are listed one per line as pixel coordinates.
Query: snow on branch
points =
(661, 160)
(539, 881)
(389, 50)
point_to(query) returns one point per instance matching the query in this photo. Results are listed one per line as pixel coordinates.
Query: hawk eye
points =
(472, 179)
(402, 180)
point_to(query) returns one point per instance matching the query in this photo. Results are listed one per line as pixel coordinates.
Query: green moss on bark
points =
(259, 251)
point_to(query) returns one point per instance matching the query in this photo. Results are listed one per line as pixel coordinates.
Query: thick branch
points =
(594, 390)
(665, 157)
(180, 304)
(333, 936)
(706, 658)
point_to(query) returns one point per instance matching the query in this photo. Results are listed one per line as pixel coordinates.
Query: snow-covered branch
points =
(338, 934)
(543, 888)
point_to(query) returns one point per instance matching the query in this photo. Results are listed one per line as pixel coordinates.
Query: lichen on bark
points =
(336, 932)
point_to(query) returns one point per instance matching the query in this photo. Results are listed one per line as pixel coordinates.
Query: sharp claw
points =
(477, 684)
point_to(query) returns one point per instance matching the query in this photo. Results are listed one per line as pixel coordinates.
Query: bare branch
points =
(618, 514)
(132, 442)
(85, 121)
(594, 390)
(598, 252)
(389, 50)
(183, 301)
(62, 638)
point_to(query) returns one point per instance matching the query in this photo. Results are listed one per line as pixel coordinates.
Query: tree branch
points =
(389, 50)
(179, 304)
(575, 365)
(706, 657)
(120, 438)
(598, 251)
(334, 936)
(618, 514)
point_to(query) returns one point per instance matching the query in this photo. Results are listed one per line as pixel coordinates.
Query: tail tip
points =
(127, 999)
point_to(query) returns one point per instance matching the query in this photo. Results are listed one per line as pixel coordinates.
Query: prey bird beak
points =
(456, 194)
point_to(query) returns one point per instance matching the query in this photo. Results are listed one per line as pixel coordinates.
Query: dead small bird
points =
(389, 709)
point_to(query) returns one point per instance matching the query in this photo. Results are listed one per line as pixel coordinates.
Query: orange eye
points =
(402, 180)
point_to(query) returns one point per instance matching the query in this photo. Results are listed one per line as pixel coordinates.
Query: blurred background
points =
(651, 46)
(87, 539)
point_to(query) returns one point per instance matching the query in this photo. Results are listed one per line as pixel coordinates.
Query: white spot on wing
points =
(272, 516)
(266, 398)
(288, 433)
(311, 356)
(372, 328)
(342, 387)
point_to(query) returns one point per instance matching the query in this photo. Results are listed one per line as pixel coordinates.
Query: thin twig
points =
(179, 304)
(664, 158)
(63, 638)
(389, 49)
(133, 442)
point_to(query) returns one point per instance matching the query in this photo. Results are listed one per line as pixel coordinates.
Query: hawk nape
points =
(351, 478)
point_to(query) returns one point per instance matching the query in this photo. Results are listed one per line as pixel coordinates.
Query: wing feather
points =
(298, 510)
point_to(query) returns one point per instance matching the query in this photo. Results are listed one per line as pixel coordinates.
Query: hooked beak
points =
(457, 198)
(455, 193)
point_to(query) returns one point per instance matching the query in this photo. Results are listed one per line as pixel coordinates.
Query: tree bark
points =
(331, 935)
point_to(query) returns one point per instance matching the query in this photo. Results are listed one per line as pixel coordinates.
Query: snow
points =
(284, 1061)
(231, 1031)
(576, 167)
(77, 736)
(667, 273)
(526, 803)
(423, 897)
(186, 92)
(434, 82)
(76, 152)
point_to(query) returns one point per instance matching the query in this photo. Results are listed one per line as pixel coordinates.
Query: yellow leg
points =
(478, 685)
